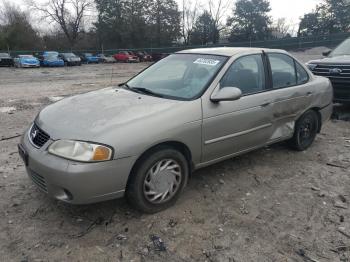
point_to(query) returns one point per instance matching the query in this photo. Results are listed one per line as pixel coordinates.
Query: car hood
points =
(73, 58)
(90, 116)
(339, 60)
(29, 60)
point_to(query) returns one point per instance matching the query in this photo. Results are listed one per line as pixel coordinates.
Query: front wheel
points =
(305, 131)
(158, 180)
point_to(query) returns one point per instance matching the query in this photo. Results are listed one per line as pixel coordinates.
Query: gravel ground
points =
(273, 204)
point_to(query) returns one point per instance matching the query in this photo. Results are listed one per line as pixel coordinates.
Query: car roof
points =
(227, 51)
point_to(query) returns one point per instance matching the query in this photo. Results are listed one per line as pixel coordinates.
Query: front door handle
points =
(309, 93)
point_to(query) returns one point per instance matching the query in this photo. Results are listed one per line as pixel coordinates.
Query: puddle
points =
(7, 109)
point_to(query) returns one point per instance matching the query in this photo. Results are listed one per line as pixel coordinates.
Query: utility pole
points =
(183, 20)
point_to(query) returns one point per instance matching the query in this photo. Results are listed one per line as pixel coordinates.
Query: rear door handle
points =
(265, 104)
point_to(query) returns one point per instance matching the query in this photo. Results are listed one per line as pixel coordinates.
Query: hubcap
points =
(162, 181)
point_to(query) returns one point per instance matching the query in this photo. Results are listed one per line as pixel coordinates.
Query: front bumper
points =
(93, 61)
(54, 64)
(74, 182)
(6, 62)
(29, 65)
(73, 63)
(133, 60)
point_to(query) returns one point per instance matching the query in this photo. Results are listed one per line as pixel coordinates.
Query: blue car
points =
(51, 59)
(89, 58)
(26, 61)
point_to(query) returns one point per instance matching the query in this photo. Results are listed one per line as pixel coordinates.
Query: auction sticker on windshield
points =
(205, 61)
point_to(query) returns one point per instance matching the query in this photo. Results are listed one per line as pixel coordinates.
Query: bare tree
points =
(281, 27)
(191, 10)
(217, 9)
(68, 14)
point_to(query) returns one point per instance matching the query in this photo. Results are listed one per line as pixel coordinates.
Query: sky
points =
(292, 10)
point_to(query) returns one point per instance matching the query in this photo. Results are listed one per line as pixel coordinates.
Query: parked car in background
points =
(6, 60)
(51, 59)
(26, 61)
(336, 66)
(126, 57)
(106, 58)
(144, 56)
(70, 59)
(158, 56)
(195, 108)
(89, 58)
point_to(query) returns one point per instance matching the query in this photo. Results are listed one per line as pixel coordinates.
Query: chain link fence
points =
(291, 43)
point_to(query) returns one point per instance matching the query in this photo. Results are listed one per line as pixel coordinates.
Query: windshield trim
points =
(182, 98)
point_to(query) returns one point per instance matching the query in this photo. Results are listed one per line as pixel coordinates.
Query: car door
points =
(291, 93)
(233, 127)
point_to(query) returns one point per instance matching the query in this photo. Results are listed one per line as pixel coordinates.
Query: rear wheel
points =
(305, 131)
(158, 180)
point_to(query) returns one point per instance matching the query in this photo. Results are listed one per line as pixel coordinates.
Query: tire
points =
(305, 131)
(143, 188)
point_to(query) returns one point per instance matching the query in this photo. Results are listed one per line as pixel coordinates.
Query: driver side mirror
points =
(326, 53)
(226, 94)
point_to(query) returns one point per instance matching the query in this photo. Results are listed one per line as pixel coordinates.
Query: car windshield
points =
(68, 55)
(342, 49)
(26, 56)
(51, 56)
(88, 54)
(4, 55)
(179, 76)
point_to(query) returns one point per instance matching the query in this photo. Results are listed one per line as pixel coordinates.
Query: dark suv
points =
(336, 66)
(6, 59)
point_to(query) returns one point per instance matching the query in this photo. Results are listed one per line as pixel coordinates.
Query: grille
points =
(341, 88)
(38, 136)
(325, 70)
(38, 180)
(340, 80)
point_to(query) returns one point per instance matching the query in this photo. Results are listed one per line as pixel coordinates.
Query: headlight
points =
(80, 151)
(311, 66)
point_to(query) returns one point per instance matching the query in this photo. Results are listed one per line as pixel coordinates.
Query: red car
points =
(125, 56)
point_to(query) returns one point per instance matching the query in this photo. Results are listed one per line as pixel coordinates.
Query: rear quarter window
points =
(283, 70)
(302, 75)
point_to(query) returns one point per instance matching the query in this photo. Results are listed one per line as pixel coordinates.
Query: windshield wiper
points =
(140, 90)
(145, 91)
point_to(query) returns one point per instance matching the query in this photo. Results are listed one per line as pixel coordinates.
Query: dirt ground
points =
(273, 204)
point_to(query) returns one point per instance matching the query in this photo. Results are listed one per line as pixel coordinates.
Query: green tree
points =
(335, 15)
(164, 21)
(16, 31)
(204, 30)
(310, 24)
(331, 16)
(137, 23)
(250, 20)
